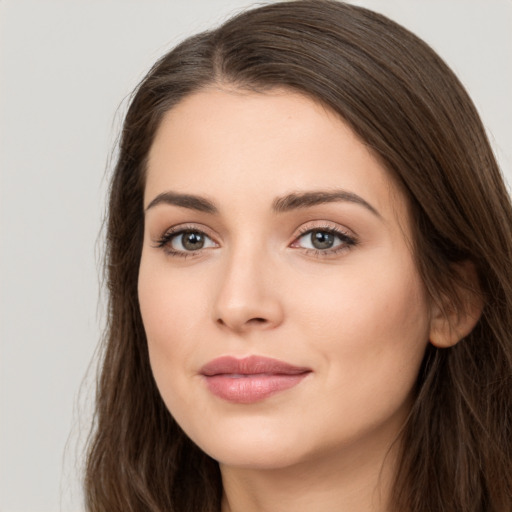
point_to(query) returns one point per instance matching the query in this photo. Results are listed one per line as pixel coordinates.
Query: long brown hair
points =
(412, 112)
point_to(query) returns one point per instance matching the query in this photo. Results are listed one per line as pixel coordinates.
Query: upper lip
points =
(252, 365)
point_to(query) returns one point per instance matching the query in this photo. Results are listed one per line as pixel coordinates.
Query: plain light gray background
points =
(65, 67)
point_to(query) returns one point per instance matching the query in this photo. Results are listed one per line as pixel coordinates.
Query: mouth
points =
(250, 379)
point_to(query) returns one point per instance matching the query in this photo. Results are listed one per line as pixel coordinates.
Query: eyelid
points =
(188, 226)
(325, 225)
(164, 240)
(348, 238)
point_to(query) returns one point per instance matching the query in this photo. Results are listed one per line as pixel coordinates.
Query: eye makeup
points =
(319, 239)
(324, 239)
(185, 241)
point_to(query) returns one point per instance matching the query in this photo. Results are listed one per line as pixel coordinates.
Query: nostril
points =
(256, 320)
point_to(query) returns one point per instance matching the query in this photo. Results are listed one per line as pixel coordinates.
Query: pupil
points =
(192, 240)
(322, 239)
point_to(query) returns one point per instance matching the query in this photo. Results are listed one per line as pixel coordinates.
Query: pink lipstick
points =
(251, 379)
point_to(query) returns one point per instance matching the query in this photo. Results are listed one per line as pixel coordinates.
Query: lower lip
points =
(251, 388)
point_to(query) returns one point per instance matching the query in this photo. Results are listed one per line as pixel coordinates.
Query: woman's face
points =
(284, 314)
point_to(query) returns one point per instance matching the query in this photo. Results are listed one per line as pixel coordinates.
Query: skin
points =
(357, 317)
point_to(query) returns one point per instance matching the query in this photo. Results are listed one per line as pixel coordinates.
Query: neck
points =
(347, 480)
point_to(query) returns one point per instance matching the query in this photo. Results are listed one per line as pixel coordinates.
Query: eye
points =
(317, 239)
(191, 241)
(324, 240)
(181, 242)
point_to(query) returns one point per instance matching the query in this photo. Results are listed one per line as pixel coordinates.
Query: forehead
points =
(236, 144)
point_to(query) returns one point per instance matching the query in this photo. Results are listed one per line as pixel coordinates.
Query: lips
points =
(250, 379)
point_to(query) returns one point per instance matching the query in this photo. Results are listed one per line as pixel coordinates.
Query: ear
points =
(452, 320)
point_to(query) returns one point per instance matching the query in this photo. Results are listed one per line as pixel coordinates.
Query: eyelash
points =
(347, 241)
(165, 241)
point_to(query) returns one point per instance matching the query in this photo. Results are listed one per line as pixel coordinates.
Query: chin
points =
(257, 457)
(253, 448)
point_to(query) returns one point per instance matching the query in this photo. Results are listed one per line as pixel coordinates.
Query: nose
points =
(248, 297)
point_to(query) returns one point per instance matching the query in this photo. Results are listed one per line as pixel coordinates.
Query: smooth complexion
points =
(272, 231)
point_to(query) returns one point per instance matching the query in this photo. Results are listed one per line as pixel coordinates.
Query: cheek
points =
(377, 296)
(170, 311)
(371, 328)
(171, 305)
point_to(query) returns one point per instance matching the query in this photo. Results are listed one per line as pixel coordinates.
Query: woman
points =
(309, 266)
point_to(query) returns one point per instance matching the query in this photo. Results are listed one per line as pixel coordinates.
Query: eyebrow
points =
(293, 201)
(189, 201)
(296, 201)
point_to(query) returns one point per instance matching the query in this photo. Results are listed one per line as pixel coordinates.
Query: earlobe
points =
(455, 319)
